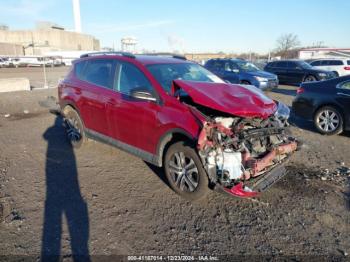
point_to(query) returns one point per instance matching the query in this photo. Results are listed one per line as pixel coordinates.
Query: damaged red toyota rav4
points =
(175, 114)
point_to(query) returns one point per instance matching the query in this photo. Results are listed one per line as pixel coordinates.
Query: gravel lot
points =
(102, 201)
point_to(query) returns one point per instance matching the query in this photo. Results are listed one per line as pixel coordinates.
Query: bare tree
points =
(287, 43)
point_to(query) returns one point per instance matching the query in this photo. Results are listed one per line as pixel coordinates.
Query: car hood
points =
(262, 74)
(242, 101)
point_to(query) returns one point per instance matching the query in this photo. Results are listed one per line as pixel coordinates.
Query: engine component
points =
(235, 150)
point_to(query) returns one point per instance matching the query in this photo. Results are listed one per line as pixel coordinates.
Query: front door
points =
(132, 122)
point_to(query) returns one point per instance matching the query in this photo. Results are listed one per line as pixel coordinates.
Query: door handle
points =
(78, 91)
(342, 94)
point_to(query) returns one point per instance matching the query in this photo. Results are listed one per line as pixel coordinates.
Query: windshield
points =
(305, 65)
(166, 73)
(246, 66)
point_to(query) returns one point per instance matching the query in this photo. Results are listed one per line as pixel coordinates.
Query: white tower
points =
(129, 44)
(76, 11)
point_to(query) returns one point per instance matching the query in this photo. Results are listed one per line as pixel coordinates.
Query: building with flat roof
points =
(48, 37)
(318, 53)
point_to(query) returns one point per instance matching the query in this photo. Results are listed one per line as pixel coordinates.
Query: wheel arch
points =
(309, 74)
(72, 105)
(170, 137)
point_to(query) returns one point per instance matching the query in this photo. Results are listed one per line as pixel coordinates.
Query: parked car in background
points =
(176, 114)
(4, 62)
(297, 71)
(327, 103)
(237, 71)
(340, 67)
(14, 62)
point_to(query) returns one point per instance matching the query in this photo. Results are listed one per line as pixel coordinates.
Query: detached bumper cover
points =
(259, 185)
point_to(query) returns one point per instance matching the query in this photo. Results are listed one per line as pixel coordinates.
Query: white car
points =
(4, 62)
(340, 66)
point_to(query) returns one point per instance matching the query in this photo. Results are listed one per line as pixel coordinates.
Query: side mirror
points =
(143, 95)
(235, 71)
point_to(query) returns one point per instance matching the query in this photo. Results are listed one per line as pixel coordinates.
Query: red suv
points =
(175, 114)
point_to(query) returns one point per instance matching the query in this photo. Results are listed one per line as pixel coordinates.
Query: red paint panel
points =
(233, 99)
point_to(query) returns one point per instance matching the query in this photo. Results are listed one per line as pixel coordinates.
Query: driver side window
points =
(130, 78)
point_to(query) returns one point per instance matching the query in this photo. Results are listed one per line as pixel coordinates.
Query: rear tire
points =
(329, 121)
(185, 172)
(310, 78)
(74, 127)
(244, 82)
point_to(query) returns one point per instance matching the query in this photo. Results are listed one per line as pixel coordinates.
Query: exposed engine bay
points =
(236, 150)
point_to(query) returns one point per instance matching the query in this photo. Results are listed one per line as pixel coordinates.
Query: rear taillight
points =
(300, 90)
(347, 68)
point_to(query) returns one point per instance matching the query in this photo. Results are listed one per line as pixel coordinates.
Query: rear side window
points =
(131, 78)
(315, 63)
(282, 64)
(292, 65)
(348, 62)
(218, 65)
(335, 62)
(99, 72)
(79, 69)
(209, 63)
(271, 65)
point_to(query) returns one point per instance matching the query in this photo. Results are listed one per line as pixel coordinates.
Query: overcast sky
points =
(193, 25)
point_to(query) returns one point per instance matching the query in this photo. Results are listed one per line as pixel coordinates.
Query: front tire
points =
(74, 127)
(185, 172)
(329, 121)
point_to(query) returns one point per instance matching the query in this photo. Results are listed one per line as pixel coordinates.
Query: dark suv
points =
(297, 71)
(175, 114)
(238, 71)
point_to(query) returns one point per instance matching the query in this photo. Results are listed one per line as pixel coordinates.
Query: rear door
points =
(336, 66)
(295, 72)
(96, 80)
(132, 122)
(280, 69)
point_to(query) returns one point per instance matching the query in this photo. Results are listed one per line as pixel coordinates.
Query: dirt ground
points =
(102, 201)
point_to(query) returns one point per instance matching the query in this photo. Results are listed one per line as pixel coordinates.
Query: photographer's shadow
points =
(63, 198)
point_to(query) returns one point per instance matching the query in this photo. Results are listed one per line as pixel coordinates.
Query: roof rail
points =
(182, 57)
(126, 54)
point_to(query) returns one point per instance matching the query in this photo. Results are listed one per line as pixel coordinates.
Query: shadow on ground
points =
(284, 91)
(63, 198)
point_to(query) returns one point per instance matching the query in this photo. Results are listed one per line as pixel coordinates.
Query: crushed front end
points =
(245, 156)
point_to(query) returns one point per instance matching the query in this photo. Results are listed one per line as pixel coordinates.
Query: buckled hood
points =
(242, 101)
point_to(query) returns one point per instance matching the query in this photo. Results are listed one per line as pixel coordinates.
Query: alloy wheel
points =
(328, 120)
(184, 172)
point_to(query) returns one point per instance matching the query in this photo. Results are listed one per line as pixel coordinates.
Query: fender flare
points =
(166, 138)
